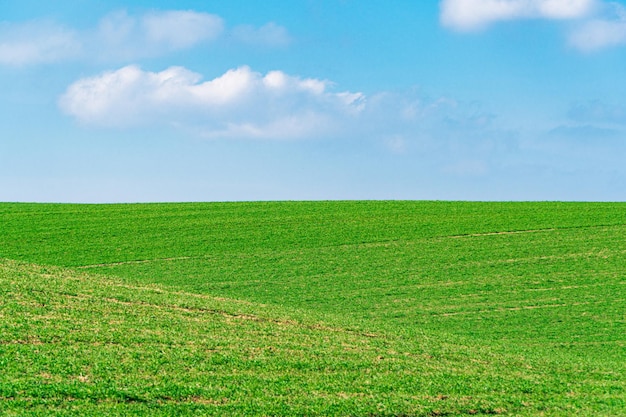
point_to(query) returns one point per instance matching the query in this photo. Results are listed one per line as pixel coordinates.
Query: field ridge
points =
(39, 319)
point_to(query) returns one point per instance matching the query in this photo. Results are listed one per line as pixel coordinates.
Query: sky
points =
(239, 100)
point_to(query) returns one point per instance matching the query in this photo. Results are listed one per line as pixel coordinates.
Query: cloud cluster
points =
(269, 34)
(240, 103)
(468, 15)
(245, 104)
(597, 24)
(123, 37)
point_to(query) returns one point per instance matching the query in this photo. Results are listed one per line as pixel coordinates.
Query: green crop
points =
(313, 308)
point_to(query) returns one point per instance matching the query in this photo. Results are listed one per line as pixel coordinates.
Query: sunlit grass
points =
(330, 308)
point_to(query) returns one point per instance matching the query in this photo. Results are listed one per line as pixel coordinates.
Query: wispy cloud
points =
(121, 37)
(269, 34)
(37, 42)
(470, 15)
(584, 132)
(598, 112)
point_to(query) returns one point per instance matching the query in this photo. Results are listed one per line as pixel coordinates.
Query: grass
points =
(317, 308)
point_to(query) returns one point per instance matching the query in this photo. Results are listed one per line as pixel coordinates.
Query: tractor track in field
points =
(540, 230)
(528, 307)
(140, 261)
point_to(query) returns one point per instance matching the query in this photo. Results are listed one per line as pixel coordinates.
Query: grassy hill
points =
(313, 308)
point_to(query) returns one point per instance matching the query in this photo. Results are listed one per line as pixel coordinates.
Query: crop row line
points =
(531, 307)
(541, 230)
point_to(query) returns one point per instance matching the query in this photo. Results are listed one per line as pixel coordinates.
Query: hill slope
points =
(347, 308)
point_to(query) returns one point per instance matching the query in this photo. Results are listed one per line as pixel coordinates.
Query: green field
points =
(313, 308)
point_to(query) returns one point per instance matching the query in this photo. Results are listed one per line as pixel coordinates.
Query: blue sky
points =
(128, 101)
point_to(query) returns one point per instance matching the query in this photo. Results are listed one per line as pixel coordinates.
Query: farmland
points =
(313, 308)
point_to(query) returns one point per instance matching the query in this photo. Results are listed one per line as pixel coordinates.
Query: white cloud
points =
(270, 34)
(36, 42)
(469, 15)
(240, 103)
(244, 104)
(597, 24)
(606, 31)
(122, 36)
